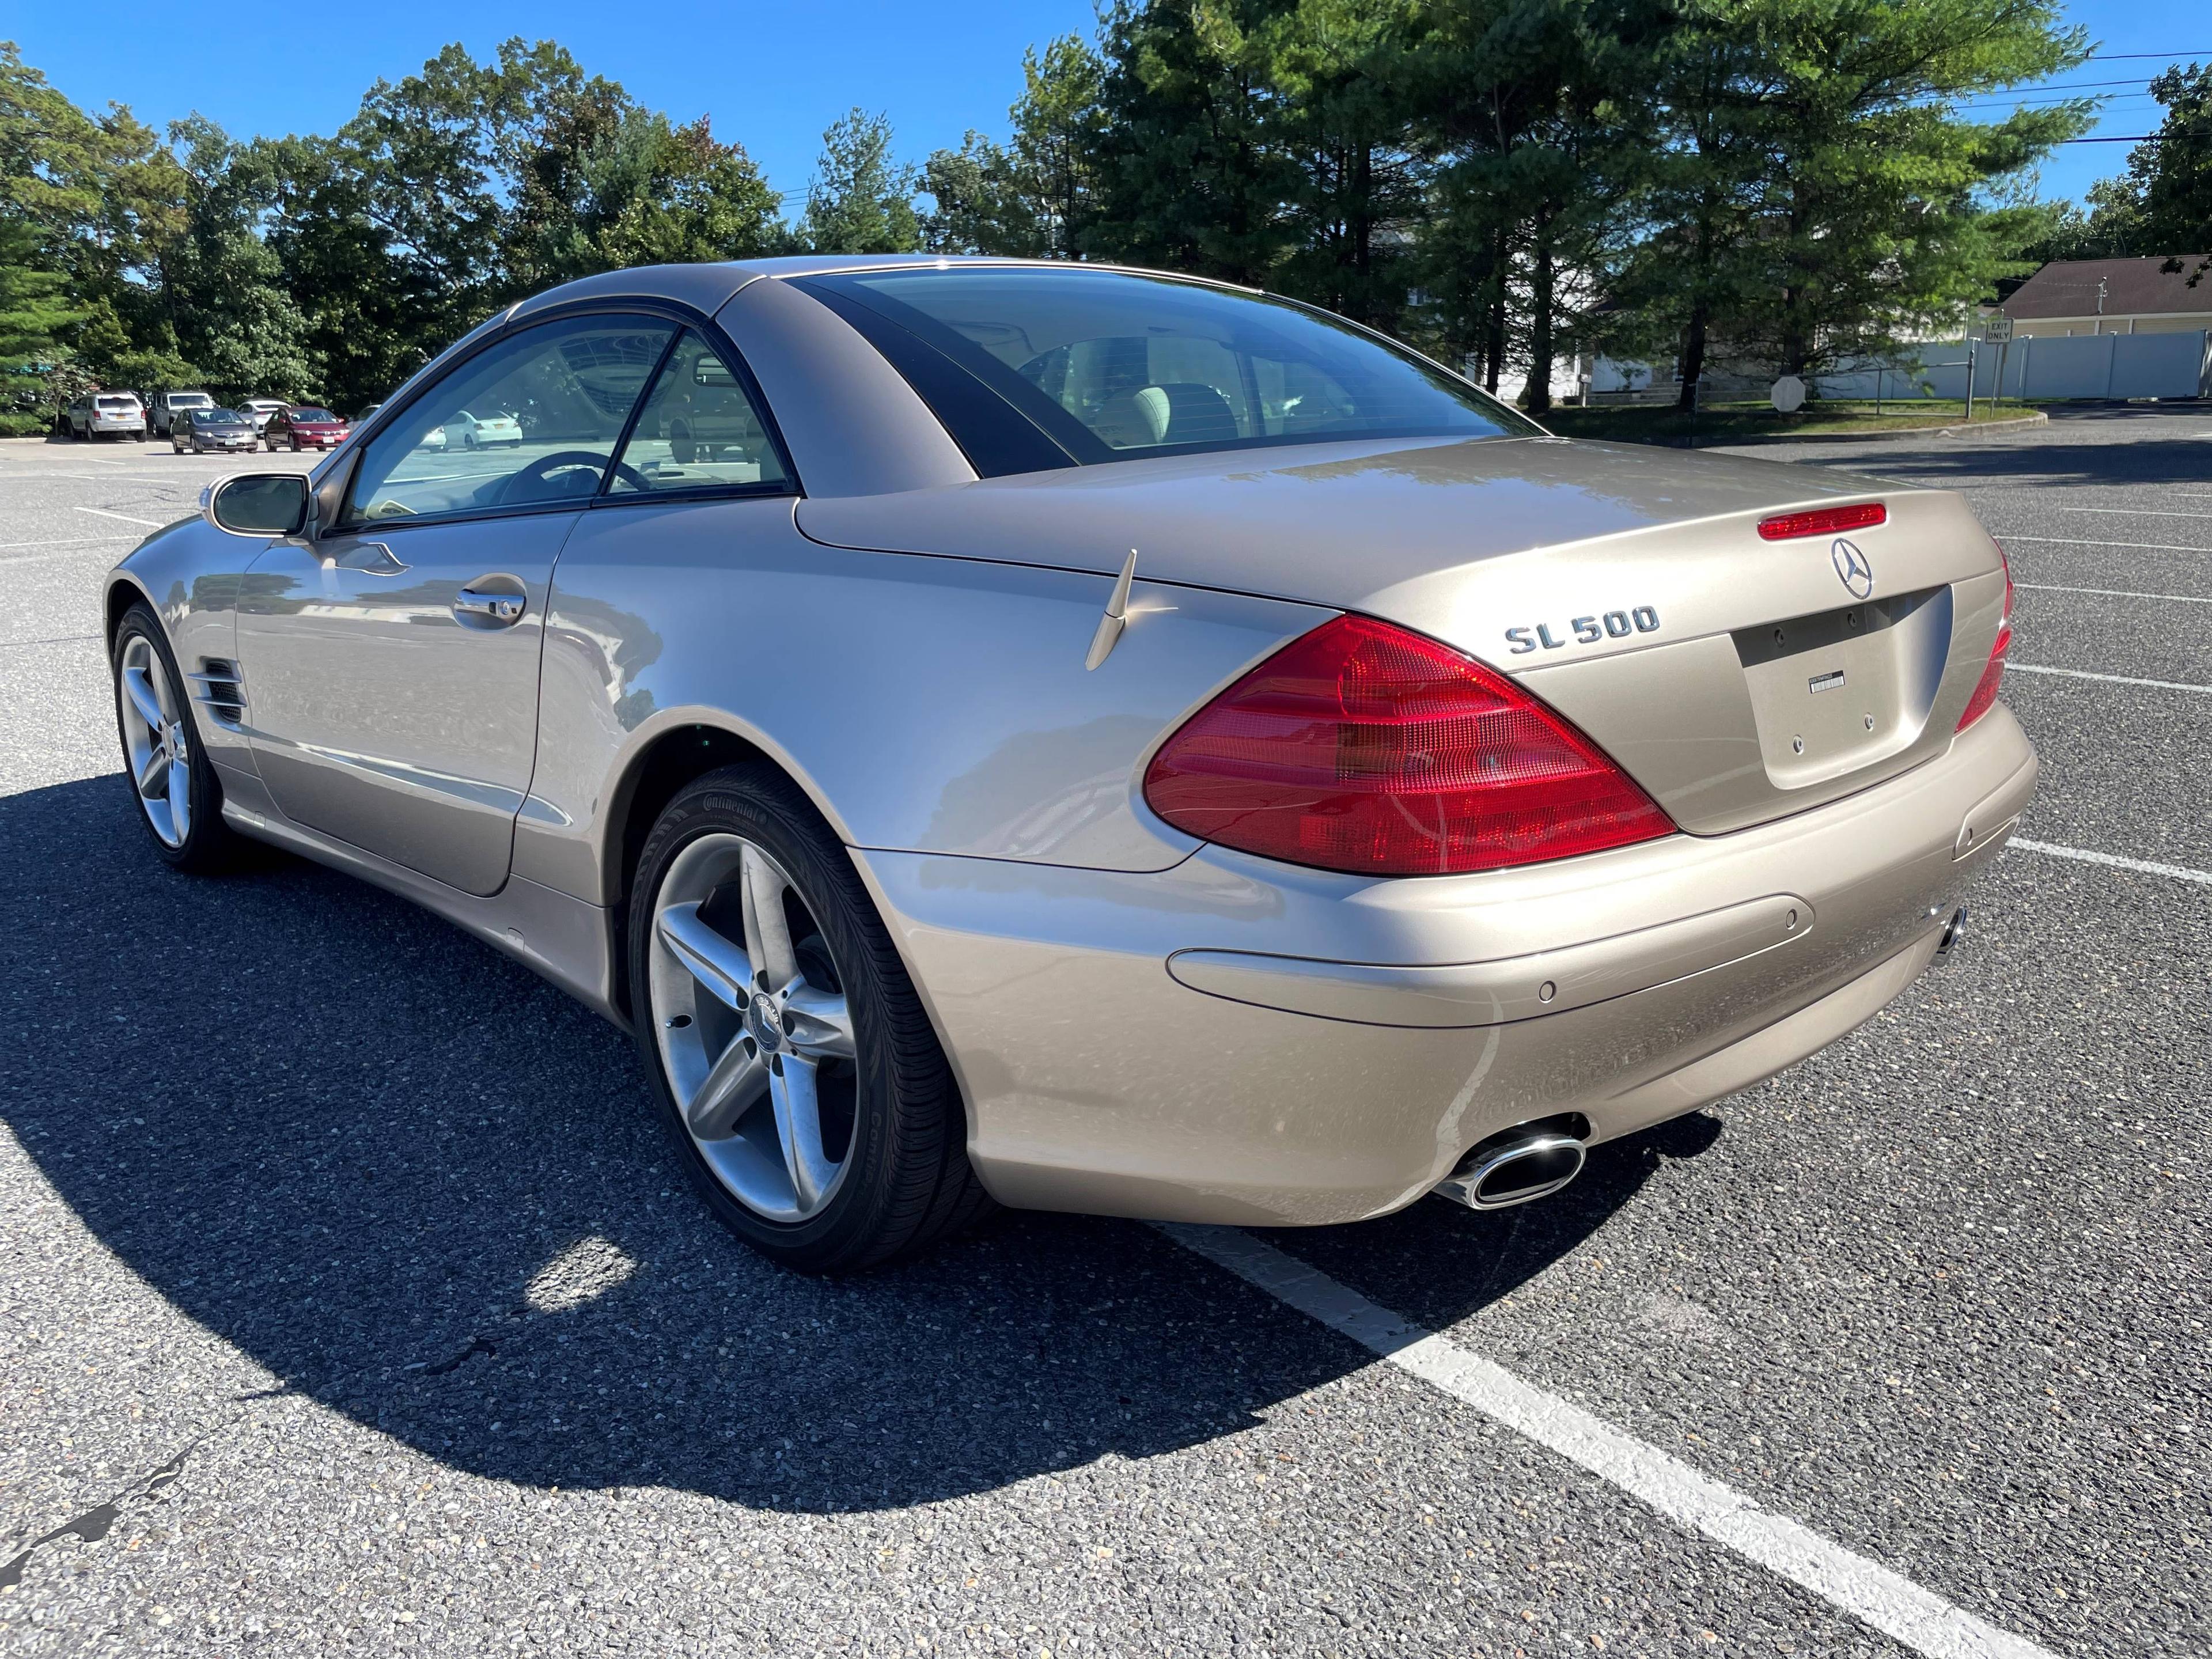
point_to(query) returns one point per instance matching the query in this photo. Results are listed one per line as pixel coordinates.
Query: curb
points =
(2036, 418)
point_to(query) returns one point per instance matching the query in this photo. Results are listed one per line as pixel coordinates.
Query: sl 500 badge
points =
(1585, 630)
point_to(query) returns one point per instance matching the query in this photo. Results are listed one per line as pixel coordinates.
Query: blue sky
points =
(772, 76)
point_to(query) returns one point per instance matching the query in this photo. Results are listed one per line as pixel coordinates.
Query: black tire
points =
(209, 845)
(908, 1182)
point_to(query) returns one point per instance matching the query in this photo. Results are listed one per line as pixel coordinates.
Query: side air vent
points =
(220, 688)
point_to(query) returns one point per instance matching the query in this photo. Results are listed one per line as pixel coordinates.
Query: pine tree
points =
(861, 199)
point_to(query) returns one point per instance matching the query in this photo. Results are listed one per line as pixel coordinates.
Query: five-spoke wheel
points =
(156, 746)
(754, 1028)
(166, 765)
(790, 1054)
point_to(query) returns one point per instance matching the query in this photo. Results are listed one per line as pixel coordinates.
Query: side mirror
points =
(258, 504)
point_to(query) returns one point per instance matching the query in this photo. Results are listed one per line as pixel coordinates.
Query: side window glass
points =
(531, 421)
(698, 430)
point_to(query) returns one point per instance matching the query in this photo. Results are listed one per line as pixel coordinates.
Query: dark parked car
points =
(168, 406)
(305, 426)
(205, 431)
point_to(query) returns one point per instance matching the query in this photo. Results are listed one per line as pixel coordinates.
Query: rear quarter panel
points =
(925, 703)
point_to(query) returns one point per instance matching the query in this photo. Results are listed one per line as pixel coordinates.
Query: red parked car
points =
(305, 426)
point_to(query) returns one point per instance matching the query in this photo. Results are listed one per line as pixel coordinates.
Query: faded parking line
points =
(2141, 866)
(1887, 1601)
(2114, 592)
(2112, 679)
(102, 513)
(2135, 512)
(71, 541)
(2083, 541)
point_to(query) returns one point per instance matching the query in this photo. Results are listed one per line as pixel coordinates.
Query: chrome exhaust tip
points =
(1955, 935)
(1514, 1168)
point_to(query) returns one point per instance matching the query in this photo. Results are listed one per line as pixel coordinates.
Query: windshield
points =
(1111, 364)
(216, 416)
(312, 414)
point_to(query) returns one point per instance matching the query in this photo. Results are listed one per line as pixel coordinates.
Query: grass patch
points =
(1645, 424)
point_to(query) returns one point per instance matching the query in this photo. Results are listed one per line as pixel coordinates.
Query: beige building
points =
(2112, 296)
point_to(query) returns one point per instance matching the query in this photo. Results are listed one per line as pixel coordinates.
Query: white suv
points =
(106, 414)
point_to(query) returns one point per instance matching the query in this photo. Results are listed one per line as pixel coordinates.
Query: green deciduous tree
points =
(226, 303)
(2162, 204)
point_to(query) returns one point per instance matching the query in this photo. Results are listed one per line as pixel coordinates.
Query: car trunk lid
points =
(1735, 678)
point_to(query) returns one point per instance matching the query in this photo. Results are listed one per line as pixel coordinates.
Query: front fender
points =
(190, 574)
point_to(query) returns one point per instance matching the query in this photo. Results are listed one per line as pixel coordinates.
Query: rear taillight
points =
(1364, 748)
(1986, 689)
(1823, 521)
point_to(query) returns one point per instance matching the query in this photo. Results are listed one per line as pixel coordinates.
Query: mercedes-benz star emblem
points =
(1851, 568)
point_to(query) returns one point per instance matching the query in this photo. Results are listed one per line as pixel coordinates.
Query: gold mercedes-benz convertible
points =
(1088, 739)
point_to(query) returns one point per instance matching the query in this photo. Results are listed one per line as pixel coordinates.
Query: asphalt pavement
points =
(349, 1303)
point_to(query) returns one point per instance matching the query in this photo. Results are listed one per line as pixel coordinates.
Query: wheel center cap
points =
(767, 1029)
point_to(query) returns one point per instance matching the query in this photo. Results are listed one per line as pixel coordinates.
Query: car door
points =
(392, 660)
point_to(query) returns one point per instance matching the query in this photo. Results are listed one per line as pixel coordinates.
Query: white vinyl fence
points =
(2115, 366)
(2081, 365)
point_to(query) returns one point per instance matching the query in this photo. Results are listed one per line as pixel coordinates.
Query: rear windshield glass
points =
(1108, 366)
(190, 400)
(118, 403)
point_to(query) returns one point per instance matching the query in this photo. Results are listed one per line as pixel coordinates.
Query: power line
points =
(2063, 86)
(2115, 57)
(2028, 98)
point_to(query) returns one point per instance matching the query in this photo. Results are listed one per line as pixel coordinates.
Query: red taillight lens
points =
(1986, 689)
(1823, 521)
(1363, 747)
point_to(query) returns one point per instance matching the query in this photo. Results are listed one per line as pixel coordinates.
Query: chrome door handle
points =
(499, 609)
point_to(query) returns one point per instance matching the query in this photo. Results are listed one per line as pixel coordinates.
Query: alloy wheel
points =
(753, 1027)
(155, 740)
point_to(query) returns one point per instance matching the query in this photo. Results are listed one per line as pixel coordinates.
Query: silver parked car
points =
(168, 406)
(1089, 740)
(260, 409)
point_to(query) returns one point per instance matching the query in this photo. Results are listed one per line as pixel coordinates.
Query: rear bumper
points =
(1359, 1036)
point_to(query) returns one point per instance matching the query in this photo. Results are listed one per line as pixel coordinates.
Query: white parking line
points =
(2078, 541)
(2115, 593)
(2110, 679)
(1892, 1603)
(102, 513)
(2142, 867)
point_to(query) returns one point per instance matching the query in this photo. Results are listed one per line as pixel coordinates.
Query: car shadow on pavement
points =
(416, 1185)
(2141, 459)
